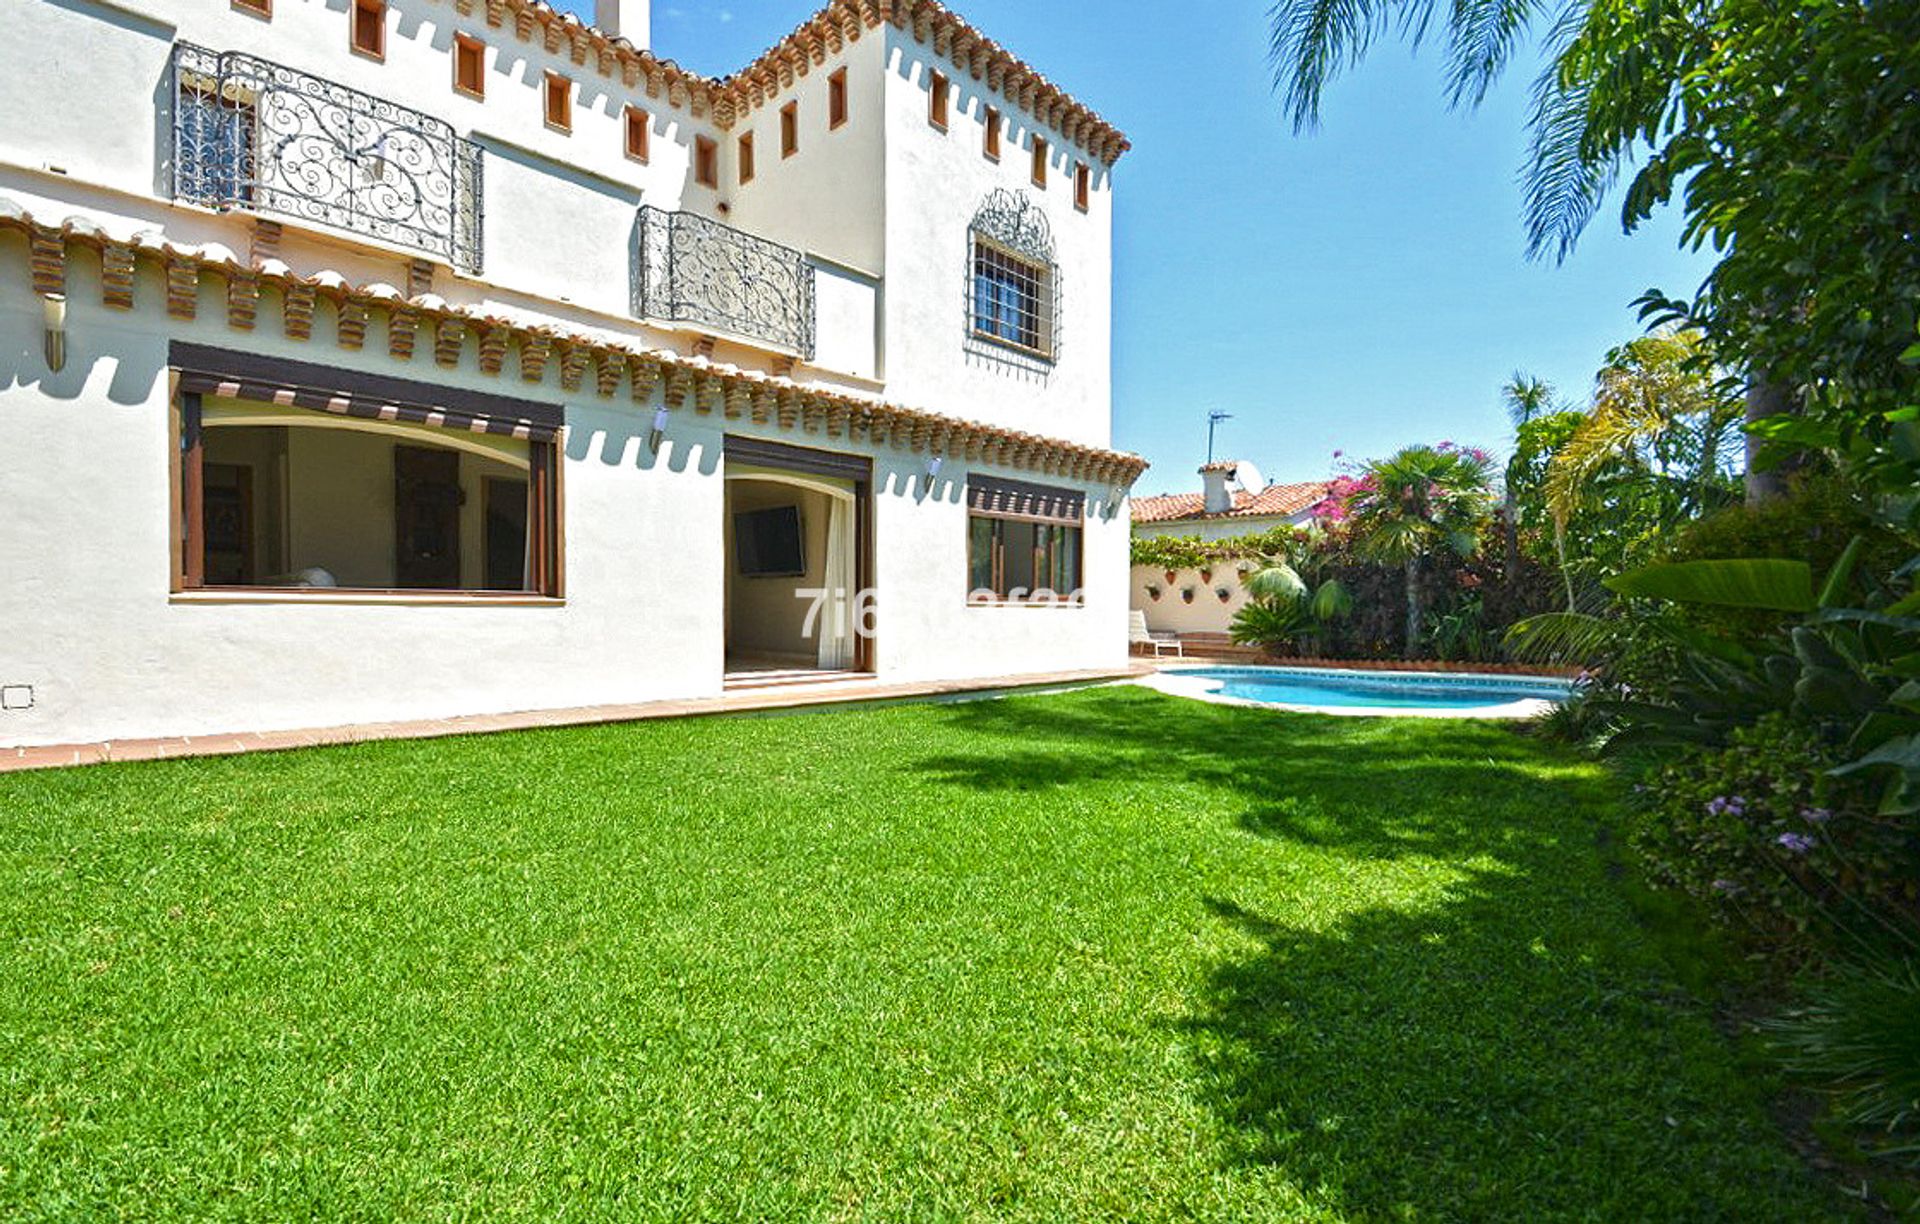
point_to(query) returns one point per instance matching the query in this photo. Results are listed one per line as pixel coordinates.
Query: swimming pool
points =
(1329, 691)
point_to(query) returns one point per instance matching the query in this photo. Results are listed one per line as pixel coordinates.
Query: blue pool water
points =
(1362, 690)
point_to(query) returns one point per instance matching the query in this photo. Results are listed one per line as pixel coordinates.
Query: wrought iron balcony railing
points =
(252, 134)
(689, 269)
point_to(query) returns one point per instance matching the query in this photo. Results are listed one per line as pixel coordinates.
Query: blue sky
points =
(1356, 288)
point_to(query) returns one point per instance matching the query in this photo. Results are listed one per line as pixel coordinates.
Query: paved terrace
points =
(740, 699)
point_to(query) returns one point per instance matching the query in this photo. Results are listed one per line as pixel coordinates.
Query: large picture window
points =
(375, 493)
(1023, 543)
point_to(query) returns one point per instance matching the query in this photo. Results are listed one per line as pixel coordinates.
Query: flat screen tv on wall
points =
(767, 543)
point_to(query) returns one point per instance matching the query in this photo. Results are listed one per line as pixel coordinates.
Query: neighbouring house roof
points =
(602, 362)
(807, 48)
(1274, 501)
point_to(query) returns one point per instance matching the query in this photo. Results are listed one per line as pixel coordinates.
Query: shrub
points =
(1275, 625)
(1814, 523)
(1191, 552)
(1577, 721)
(1759, 830)
(1859, 1033)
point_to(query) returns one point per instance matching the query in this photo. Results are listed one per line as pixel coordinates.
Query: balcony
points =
(689, 269)
(251, 134)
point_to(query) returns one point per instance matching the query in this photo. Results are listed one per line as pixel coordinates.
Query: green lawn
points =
(1097, 955)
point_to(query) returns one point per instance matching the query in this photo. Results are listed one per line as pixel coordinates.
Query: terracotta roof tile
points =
(808, 46)
(1279, 499)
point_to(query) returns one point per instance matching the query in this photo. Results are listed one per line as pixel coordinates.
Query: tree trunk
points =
(1709, 462)
(1765, 399)
(1566, 575)
(1413, 606)
(1510, 516)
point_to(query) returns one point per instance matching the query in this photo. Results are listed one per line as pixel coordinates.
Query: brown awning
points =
(206, 370)
(762, 453)
(1018, 500)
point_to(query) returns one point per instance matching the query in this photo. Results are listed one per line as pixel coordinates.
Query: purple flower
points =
(1796, 843)
(1726, 805)
(1725, 886)
(1815, 816)
(1339, 454)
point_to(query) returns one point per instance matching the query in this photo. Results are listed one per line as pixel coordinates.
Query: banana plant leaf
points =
(1841, 573)
(1778, 585)
(1902, 755)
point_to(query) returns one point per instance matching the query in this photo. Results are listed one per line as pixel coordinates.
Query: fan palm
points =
(1416, 501)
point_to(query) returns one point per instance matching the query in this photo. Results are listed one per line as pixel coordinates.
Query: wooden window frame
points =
(262, 9)
(990, 142)
(1041, 153)
(789, 130)
(1082, 186)
(706, 162)
(743, 158)
(546, 527)
(356, 11)
(565, 95)
(465, 44)
(839, 108)
(939, 101)
(638, 134)
(1002, 597)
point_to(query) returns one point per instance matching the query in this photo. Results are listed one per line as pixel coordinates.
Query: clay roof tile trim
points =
(184, 264)
(1280, 500)
(808, 46)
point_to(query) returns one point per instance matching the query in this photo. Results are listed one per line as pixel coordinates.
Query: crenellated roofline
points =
(725, 100)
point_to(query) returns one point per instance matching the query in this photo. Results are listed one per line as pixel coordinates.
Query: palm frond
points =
(1563, 180)
(1527, 397)
(1276, 581)
(1602, 439)
(1481, 38)
(1313, 41)
(1560, 637)
(1332, 601)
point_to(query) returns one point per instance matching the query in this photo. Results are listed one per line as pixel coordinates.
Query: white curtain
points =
(836, 621)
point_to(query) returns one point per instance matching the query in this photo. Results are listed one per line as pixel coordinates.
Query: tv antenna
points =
(1213, 420)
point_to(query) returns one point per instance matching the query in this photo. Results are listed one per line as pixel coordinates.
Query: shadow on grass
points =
(1501, 1046)
(1368, 788)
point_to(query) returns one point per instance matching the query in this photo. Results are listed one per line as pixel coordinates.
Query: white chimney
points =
(630, 19)
(1219, 498)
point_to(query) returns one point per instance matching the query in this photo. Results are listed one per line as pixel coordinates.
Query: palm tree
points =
(1658, 409)
(1284, 606)
(1416, 501)
(1527, 398)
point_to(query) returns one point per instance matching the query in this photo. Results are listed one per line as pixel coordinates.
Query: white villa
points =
(1233, 501)
(371, 360)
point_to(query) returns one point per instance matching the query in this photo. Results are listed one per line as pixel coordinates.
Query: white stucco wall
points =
(1208, 613)
(936, 183)
(84, 550)
(91, 625)
(828, 199)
